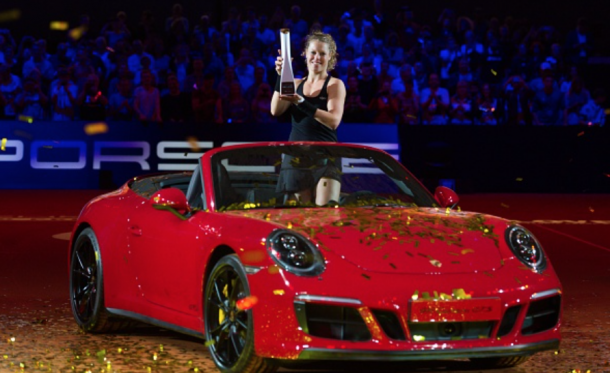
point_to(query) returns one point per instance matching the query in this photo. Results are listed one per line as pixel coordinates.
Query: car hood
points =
(412, 240)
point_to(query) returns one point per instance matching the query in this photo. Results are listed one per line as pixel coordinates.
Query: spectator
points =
(259, 77)
(576, 97)
(406, 104)
(261, 105)
(518, 101)
(384, 74)
(203, 31)
(298, 27)
(8, 57)
(250, 22)
(537, 84)
(177, 19)
(488, 106)
(266, 35)
(548, 105)
(406, 74)
(162, 60)
(354, 111)
(196, 74)
(134, 62)
(32, 101)
(579, 42)
(147, 103)
(593, 113)
(39, 61)
(120, 106)
(244, 69)
(347, 57)
(212, 63)
(145, 63)
(121, 73)
(434, 102)
(82, 68)
(420, 77)
(175, 105)
(461, 105)
(520, 64)
(63, 96)
(224, 88)
(10, 87)
(472, 49)
(91, 102)
(204, 99)
(367, 82)
(116, 30)
(392, 52)
(382, 106)
(234, 108)
(180, 65)
(101, 51)
(463, 73)
(448, 57)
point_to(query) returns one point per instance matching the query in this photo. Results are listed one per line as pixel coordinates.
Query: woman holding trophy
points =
(315, 104)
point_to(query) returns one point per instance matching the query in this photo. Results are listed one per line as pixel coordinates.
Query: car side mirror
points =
(171, 199)
(446, 197)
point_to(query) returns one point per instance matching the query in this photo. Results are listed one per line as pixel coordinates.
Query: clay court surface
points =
(37, 332)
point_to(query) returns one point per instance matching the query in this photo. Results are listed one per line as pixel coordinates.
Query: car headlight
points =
(295, 253)
(525, 247)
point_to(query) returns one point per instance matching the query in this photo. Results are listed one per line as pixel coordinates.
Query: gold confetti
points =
(436, 263)
(96, 128)
(59, 25)
(3, 144)
(247, 302)
(591, 209)
(155, 356)
(77, 33)
(192, 140)
(504, 205)
(366, 276)
(519, 179)
(419, 338)
(278, 292)
(273, 270)
(10, 15)
(467, 251)
(25, 118)
(494, 72)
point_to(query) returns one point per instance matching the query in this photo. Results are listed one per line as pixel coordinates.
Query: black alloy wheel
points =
(229, 330)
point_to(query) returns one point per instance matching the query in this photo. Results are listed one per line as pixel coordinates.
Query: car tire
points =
(499, 362)
(87, 288)
(229, 332)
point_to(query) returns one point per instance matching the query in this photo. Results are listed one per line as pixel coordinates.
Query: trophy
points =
(287, 78)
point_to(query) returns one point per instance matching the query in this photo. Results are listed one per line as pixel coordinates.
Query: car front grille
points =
(447, 331)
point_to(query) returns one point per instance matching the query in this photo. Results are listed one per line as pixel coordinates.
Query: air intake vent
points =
(508, 321)
(390, 324)
(333, 322)
(447, 331)
(541, 315)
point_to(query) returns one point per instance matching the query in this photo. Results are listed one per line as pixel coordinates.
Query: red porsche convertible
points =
(388, 272)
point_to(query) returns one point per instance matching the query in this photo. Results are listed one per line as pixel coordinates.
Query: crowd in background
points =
(460, 70)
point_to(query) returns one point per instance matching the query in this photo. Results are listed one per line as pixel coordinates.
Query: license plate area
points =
(454, 310)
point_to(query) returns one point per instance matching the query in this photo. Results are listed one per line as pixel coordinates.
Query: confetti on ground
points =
(591, 209)
(504, 205)
(3, 144)
(10, 15)
(96, 128)
(59, 25)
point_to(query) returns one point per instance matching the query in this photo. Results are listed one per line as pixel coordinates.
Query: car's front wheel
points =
(87, 287)
(229, 327)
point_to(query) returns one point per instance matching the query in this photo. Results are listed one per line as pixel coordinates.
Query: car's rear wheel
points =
(87, 287)
(229, 327)
(499, 362)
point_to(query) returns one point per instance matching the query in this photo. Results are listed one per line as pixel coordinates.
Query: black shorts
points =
(298, 174)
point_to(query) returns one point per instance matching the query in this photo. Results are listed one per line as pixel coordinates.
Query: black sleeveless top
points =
(306, 128)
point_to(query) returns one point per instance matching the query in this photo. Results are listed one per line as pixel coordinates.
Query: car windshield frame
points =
(313, 153)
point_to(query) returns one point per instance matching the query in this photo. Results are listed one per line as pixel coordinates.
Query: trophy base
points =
(287, 88)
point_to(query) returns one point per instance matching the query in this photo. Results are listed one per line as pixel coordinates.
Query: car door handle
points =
(135, 230)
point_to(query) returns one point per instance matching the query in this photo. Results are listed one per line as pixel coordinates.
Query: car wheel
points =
(87, 287)
(229, 330)
(499, 362)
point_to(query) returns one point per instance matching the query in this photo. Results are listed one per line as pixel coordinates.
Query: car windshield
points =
(249, 178)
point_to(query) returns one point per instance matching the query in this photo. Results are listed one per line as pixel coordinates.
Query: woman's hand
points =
(278, 63)
(293, 99)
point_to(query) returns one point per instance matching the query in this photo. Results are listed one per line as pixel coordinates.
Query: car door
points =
(167, 254)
